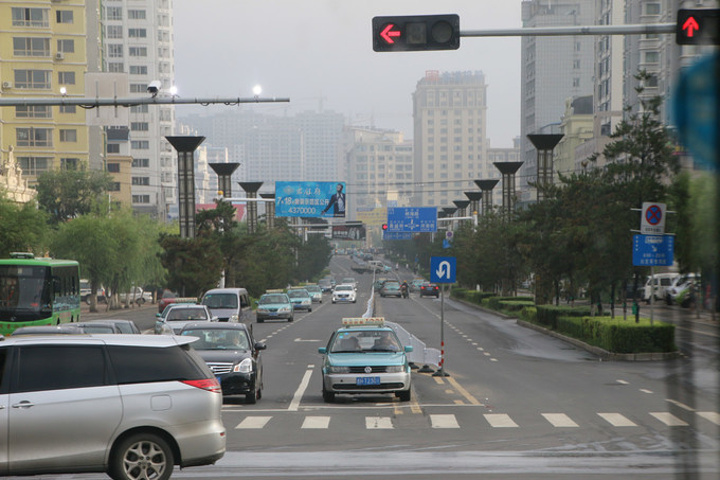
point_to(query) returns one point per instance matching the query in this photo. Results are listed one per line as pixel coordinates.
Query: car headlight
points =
(333, 369)
(233, 318)
(395, 369)
(284, 310)
(262, 310)
(307, 301)
(244, 367)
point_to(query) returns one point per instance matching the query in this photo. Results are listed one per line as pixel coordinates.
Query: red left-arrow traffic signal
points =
(416, 33)
(698, 27)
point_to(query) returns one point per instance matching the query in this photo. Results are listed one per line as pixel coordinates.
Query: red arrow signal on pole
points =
(388, 33)
(690, 25)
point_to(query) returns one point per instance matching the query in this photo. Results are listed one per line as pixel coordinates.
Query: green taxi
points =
(365, 357)
(274, 304)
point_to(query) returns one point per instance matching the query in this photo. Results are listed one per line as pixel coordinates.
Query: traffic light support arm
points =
(130, 102)
(635, 29)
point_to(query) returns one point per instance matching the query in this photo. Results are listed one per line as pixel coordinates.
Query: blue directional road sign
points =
(442, 269)
(653, 250)
(412, 219)
(397, 235)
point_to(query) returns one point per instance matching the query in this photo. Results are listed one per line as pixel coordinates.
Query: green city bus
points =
(38, 291)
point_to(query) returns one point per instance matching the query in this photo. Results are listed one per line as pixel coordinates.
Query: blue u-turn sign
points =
(442, 269)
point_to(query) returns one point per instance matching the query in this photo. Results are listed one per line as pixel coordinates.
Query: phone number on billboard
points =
(303, 210)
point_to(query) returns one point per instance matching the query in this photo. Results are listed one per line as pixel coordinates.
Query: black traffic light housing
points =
(416, 33)
(384, 226)
(698, 27)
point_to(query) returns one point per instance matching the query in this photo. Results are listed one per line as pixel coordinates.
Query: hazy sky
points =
(316, 51)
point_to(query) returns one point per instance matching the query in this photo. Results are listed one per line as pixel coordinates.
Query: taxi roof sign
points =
(275, 290)
(358, 321)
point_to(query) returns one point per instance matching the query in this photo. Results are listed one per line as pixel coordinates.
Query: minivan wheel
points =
(142, 456)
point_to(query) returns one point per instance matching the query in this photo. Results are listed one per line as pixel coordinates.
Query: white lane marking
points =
(493, 359)
(559, 420)
(681, 405)
(500, 420)
(645, 390)
(623, 382)
(714, 417)
(310, 340)
(297, 397)
(444, 421)
(617, 420)
(253, 423)
(316, 422)
(372, 423)
(669, 419)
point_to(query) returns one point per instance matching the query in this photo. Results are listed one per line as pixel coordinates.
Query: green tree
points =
(194, 265)
(66, 194)
(22, 228)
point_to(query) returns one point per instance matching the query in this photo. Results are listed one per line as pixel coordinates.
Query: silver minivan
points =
(228, 304)
(132, 406)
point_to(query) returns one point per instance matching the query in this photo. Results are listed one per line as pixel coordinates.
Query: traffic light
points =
(698, 27)
(416, 33)
(384, 226)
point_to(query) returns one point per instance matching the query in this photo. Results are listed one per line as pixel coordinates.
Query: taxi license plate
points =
(273, 314)
(367, 381)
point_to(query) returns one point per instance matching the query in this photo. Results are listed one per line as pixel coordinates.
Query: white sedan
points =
(344, 293)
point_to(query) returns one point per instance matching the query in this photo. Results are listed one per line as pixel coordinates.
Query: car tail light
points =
(209, 384)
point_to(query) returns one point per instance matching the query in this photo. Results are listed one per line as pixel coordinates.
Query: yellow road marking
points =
(463, 392)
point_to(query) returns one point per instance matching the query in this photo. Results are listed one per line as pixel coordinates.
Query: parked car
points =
(661, 282)
(85, 290)
(137, 295)
(232, 354)
(160, 406)
(680, 291)
(429, 290)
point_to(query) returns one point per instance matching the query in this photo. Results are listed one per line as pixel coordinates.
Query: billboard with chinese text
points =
(310, 199)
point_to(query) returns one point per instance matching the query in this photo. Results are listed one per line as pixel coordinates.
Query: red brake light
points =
(209, 384)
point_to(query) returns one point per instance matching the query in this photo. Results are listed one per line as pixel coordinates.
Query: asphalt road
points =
(516, 405)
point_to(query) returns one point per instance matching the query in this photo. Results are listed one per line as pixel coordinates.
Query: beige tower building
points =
(450, 141)
(43, 54)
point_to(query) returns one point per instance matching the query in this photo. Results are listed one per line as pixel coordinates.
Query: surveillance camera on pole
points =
(154, 87)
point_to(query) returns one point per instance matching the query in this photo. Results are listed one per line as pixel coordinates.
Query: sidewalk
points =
(103, 311)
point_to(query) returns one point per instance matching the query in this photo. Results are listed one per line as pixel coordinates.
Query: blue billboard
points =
(310, 199)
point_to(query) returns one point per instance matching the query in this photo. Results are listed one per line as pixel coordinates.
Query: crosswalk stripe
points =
(372, 423)
(500, 420)
(714, 417)
(316, 422)
(559, 420)
(444, 421)
(617, 420)
(253, 423)
(669, 419)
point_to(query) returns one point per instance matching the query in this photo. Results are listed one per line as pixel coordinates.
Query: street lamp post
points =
(186, 147)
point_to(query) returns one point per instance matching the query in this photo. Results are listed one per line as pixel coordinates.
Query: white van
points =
(661, 281)
(228, 304)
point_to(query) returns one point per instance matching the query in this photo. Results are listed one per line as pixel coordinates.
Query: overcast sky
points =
(315, 51)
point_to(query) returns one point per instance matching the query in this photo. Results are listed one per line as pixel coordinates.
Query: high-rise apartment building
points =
(43, 54)
(553, 68)
(379, 169)
(137, 39)
(450, 141)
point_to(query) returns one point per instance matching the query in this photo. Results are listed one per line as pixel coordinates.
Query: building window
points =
(66, 46)
(66, 78)
(576, 82)
(139, 109)
(113, 13)
(114, 187)
(136, 14)
(139, 126)
(113, 167)
(34, 165)
(652, 8)
(576, 65)
(140, 144)
(138, 70)
(64, 16)
(114, 31)
(68, 135)
(137, 51)
(33, 111)
(69, 163)
(137, 33)
(112, 148)
(31, 47)
(651, 81)
(34, 137)
(115, 51)
(67, 108)
(141, 163)
(116, 67)
(652, 57)
(30, 17)
(141, 199)
(138, 88)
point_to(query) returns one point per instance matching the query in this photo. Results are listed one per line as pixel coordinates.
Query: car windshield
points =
(218, 339)
(270, 299)
(313, 289)
(185, 314)
(220, 300)
(348, 280)
(343, 288)
(365, 341)
(298, 294)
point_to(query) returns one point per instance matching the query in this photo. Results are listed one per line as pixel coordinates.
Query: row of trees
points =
(580, 235)
(117, 249)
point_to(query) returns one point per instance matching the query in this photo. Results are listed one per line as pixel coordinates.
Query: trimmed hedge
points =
(547, 315)
(514, 305)
(494, 302)
(620, 336)
(470, 295)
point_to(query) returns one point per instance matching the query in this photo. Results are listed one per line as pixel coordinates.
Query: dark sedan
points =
(232, 354)
(429, 290)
